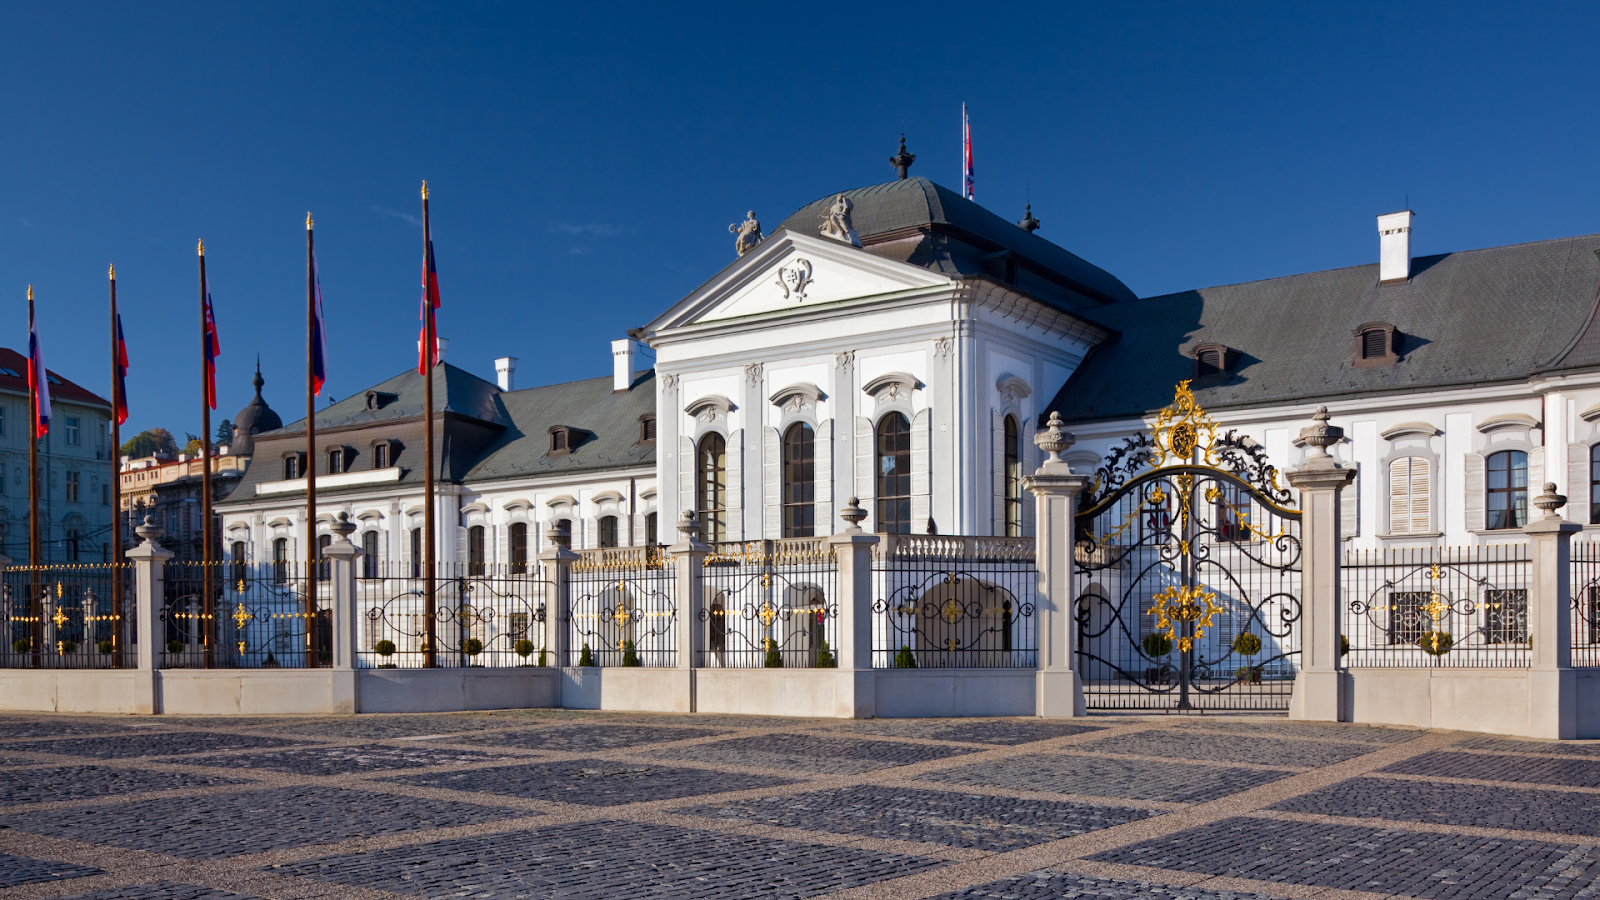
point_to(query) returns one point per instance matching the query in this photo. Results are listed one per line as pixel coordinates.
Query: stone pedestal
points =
(1322, 688)
(149, 588)
(1552, 682)
(1055, 489)
(857, 689)
(343, 556)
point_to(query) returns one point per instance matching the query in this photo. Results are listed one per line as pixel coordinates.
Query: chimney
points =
(622, 354)
(444, 344)
(506, 369)
(1394, 247)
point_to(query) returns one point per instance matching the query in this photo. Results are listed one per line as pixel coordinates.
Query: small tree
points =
(585, 657)
(774, 659)
(541, 658)
(825, 658)
(224, 433)
(630, 658)
(905, 659)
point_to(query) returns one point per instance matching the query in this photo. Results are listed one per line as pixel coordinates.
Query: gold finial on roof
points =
(202, 248)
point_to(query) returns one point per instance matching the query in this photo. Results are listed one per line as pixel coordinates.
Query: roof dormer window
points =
(1375, 345)
(560, 440)
(1211, 360)
(647, 429)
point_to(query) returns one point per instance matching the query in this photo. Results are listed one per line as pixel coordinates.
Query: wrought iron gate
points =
(1188, 572)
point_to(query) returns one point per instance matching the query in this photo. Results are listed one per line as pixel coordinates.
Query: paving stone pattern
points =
(16, 871)
(586, 738)
(1507, 745)
(1493, 767)
(161, 890)
(14, 726)
(1559, 812)
(129, 746)
(345, 760)
(55, 783)
(613, 860)
(221, 825)
(1199, 745)
(1384, 861)
(592, 782)
(1000, 732)
(1098, 777)
(388, 726)
(939, 817)
(1371, 734)
(809, 753)
(1054, 886)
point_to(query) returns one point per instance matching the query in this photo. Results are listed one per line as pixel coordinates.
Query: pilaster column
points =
(689, 558)
(1055, 488)
(1552, 683)
(856, 690)
(1322, 688)
(343, 554)
(149, 588)
(557, 563)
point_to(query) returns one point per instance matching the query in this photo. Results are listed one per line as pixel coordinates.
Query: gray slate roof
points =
(920, 203)
(1479, 316)
(610, 422)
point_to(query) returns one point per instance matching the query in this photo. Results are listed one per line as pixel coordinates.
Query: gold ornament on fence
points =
(1178, 604)
(1181, 429)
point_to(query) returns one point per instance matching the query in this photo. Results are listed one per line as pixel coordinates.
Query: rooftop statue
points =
(748, 231)
(836, 222)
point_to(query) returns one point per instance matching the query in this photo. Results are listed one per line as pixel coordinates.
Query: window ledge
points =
(1418, 536)
(343, 479)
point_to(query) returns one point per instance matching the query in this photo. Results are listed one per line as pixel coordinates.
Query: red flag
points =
(213, 350)
(428, 344)
(38, 377)
(122, 375)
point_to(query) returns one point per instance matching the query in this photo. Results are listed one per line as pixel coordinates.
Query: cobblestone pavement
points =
(566, 804)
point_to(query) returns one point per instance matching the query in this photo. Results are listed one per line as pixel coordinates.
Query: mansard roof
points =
(13, 361)
(919, 222)
(605, 429)
(1502, 314)
(454, 391)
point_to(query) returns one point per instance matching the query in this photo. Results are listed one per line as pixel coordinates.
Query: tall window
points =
(1409, 496)
(1232, 511)
(280, 560)
(238, 563)
(1508, 489)
(2, 476)
(335, 461)
(608, 531)
(711, 487)
(416, 553)
(324, 567)
(519, 547)
(651, 536)
(72, 544)
(291, 468)
(799, 481)
(894, 474)
(105, 490)
(1594, 485)
(475, 550)
(369, 554)
(380, 456)
(1013, 476)
(72, 431)
(72, 487)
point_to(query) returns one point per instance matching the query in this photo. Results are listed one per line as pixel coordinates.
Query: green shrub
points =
(774, 659)
(630, 657)
(523, 648)
(825, 658)
(106, 646)
(1436, 643)
(22, 645)
(585, 657)
(1344, 645)
(905, 659)
(272, 661)
(1156, 644)
(541, 657)
(384, 648)
(472, 647)
(1249, 674)
(67, 646)
(1247, 644)
(176, 646)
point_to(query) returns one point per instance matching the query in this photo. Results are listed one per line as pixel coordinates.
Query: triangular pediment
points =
(790, 272)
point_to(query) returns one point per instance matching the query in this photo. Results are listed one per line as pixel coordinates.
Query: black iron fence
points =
(466, 616)
(1585, 575)
(1459, 607)
(770, 604)
(954, 602)
(243, 615)
(624, 608)
(63, 617)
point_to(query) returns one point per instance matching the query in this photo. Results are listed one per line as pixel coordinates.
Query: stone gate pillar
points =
(1059, 692)
(558, 562)
(1322, 689)
(149, 589)
(857, 692)
(689, 562)
(1552, 683)
(346, 615)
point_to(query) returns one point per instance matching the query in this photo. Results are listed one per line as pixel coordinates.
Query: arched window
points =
(799, 481)
(894, 474)
(519, 547)
(711, 488)
(335, 461)
(416, 553)
(72, 545)
(369, 554)
(475, 550)
(237, 553)
(651, 536)
(291, 468)
(280, 560)
(1594, 488)
(324, 568)
(1507, 489)
(1409, 496)
(608, 531)
(1013, 478)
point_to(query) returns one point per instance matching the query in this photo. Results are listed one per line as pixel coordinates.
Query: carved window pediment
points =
(710, 408)
(892, 386)
(1012, 388)
(798, 396)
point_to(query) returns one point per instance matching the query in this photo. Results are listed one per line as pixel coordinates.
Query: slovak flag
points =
(319, 335)
(428, 350)
(213, 350)
(38, 382)
(122, 374)
(966, 155)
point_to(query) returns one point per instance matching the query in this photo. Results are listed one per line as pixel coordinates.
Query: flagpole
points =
(429, 341)
(206, 600)
(311, 451)
(116, 482)
(35, 607)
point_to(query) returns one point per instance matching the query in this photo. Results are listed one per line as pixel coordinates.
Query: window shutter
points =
(1473, 484)
(461, 548)
(866, 461)
(686, 475)
(736, 486)
(1400, 496)
(591, 531)
(1372, 343)
(1421, 496)
(921, 477)
(1535, 479)
(1350, 507)
(1578, 483)
(997, 472)
(1029, 464)
(772, 483)
(825, 479)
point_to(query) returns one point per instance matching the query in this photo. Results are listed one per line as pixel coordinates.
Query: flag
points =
(213, 350)
(428, 352)
(38, 382)
(122, 374)
(966, 155)
(319, 334)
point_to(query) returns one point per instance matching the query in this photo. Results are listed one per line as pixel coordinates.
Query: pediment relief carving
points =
(1409, 430)
(1012, 388)
(798, 396)
(1507, 421)
(561, 501)
(710, 408)
(892, 386)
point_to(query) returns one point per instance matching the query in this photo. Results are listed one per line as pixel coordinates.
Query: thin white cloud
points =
(404, 217)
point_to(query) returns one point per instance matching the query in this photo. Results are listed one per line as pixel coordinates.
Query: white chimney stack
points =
(1394, 247)
(622, 354)
(444, 344)
(506, 368)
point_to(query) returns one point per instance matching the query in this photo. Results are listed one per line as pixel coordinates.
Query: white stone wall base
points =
(1059, 694)
(1321, 697)
(1516, 702)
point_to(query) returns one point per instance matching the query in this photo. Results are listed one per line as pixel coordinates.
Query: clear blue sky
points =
(586, 160)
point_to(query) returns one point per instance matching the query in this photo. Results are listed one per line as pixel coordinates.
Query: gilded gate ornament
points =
(1179, 604)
